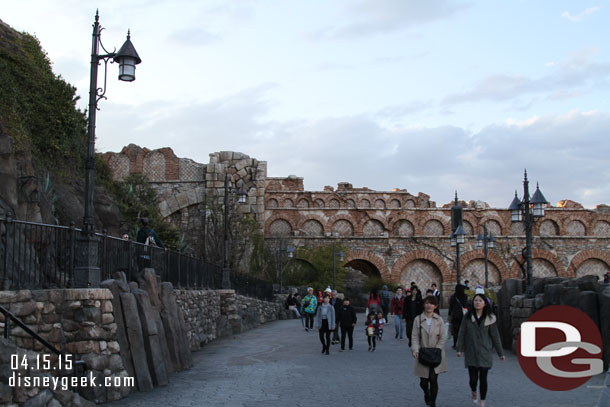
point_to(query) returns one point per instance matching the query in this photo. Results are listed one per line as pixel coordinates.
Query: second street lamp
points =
(290, 251)
(527, 210)
(457, 233)
(226, 269)
(486, 241)
(335, 265)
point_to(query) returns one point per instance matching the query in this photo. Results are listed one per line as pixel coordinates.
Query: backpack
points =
(150, 240)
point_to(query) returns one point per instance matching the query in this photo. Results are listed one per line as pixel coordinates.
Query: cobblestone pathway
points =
(279, 364)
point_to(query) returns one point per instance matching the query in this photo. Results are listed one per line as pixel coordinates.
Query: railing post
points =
(72, 250)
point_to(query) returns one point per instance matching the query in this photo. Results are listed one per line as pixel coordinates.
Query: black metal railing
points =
(34, 256)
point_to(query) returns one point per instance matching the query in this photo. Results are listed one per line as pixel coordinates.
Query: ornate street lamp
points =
(527, 210)
(457, 233)
(241, 198)
(87, 268)
(341, 256)
(485, 241)
(290, 251)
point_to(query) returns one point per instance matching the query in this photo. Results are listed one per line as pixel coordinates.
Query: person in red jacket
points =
(396, 310)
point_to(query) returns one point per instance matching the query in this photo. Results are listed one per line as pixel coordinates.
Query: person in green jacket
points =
(478, 337)
(309, 304)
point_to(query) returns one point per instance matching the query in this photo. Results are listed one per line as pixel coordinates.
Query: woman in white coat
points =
(432, 336)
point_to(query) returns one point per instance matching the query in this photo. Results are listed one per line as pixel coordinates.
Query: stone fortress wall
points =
(397, 235)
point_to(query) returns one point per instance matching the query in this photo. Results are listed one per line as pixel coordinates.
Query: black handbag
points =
(430, 357)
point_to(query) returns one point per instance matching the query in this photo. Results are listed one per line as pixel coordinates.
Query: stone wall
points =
(211, 314)
(79, 322)
(585, 293)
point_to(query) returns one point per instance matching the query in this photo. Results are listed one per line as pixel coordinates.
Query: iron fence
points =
(36, 256)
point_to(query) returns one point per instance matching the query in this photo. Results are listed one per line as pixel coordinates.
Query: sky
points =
(431, 96)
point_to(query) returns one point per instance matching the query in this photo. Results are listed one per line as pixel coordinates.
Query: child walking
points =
(381, 323)
(372, 329)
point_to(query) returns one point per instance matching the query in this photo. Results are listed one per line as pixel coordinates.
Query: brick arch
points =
(515, 270)
(581, 217)
(428, 255)
(492, 257)
(331, 221)
(419, 227)
(397, 219)
(375, 259)
(382, 219)
(478, 226)
(303, 199)
(585, 255)
(277, 216)
(313, 216)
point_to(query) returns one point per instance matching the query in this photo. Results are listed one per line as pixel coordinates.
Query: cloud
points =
(566, 153)
(193, 37)
(576, 75)
(580, 16)
(386, 16)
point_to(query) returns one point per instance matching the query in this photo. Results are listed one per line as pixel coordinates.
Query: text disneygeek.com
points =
(67, 382)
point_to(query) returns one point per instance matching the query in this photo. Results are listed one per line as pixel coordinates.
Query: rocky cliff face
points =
(28, 190)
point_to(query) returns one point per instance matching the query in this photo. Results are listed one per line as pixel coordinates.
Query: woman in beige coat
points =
(432, 336)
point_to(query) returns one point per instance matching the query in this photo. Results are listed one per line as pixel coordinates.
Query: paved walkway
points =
(279, 364)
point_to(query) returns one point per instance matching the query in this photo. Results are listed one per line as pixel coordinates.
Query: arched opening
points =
(358, 277)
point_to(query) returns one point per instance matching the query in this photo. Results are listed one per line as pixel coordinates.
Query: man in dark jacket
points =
(414, 305)
(396, 310)
(347, 321)
(337, 303)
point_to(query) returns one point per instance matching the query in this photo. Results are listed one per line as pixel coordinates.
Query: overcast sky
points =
(431, 95)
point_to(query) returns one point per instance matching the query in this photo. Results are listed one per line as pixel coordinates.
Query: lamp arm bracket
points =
(101, 92)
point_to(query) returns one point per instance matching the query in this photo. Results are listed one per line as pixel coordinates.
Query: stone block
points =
(148, 282)
(152, 338)
(588, 303)
(552, 294)
(517, 301)
(587, 283)
(528, 303)
(176, 337)
(569, 296)
(21, 309)
(604, 321)
(76, 294)
(41, 399)
(539, 302)
(136, 342)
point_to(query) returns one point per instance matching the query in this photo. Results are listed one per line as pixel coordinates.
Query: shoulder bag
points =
(430, 357)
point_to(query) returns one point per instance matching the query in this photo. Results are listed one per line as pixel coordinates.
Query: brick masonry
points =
(402, 237)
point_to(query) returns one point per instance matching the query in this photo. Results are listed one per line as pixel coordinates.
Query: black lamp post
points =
(457, 233)
(486, 241)
(527, 210)
(335, 265)
(241, 193)
(87, 269)
(290, 251)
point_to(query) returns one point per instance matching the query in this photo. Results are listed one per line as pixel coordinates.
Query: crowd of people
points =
(472, 325)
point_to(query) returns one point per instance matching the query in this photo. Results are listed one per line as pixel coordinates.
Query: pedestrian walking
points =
(386, 299)
(413, 306)
(396, 310)
(380, 325)
(292, 304)
(371, 331)
(437, 294)
(325, 322)
(458, 306)
(337, 303)
(429, 332)
(477, 339)
(347, 321)
(309, 304)
(374, 303)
